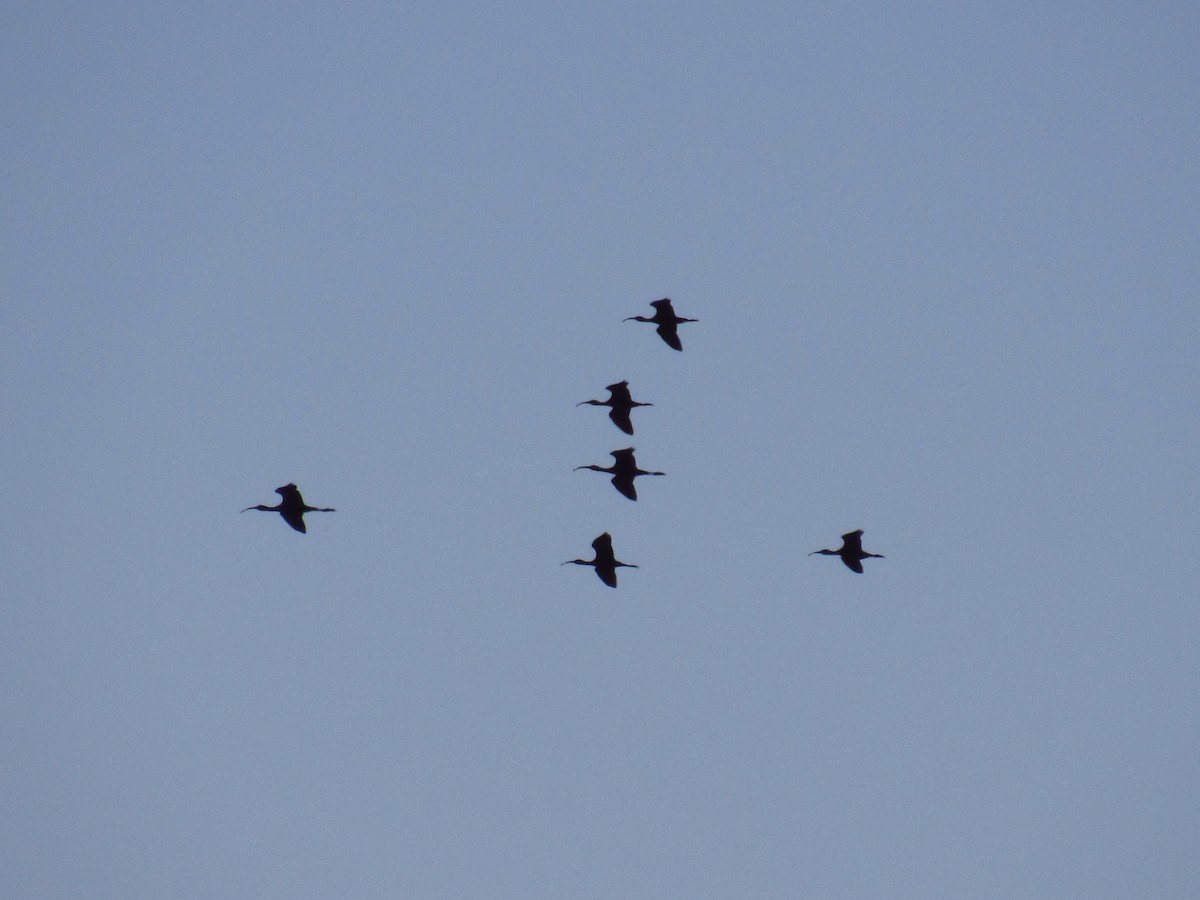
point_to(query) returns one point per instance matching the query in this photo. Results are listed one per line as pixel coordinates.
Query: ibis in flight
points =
(623, 470)
(292, 507)
(666, 320)
(851, 551)
(605, 562)
(620, 405)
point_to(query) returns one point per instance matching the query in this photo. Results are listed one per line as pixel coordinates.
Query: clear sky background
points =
(945, 260)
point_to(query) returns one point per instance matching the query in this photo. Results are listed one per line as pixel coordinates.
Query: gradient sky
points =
(944, 258)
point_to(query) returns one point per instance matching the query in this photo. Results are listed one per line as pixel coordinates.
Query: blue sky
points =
(944, 262)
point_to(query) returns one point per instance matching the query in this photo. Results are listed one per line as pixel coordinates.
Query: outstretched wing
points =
(289, 492)
(603, 545)
(855, 565)
(295, 518)
(620, 418)
(625, 486)
(619, 391)
(852, 542)
(668, 334)
(607, 574)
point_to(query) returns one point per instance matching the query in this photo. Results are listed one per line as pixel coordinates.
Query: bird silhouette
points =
(621, 404)
(605, 562)
(623, 470)
(292, 507)
(851, 551)
(666, 320)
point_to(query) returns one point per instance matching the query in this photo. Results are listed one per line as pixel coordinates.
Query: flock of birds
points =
(624, 470)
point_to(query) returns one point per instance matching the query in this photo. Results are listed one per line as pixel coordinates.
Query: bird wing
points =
(668, 334)
(619, 390)
(855, 565)
(602, 545)
(853, 541)
(607, 575)
(620, 418)
(295, 518)
(624, 484)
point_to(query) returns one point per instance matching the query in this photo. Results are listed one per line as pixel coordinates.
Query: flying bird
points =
(851, 551)
(605, 562)
(623, 470)
(620, 403)
(292, 507)
(666, 320)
